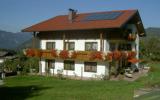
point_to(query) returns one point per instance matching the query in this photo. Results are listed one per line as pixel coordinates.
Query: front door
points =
(50, 67)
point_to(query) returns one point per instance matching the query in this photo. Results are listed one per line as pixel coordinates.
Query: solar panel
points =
(102, 16)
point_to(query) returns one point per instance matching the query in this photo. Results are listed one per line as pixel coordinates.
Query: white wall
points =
(102, 68)
(42, 66)
(58, 44)
(79, 44)
(79, 69)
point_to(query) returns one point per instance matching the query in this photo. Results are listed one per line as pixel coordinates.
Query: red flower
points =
(131, 54)
(96, 55)
(30, 52)
(109, 56)
(54, 53)
(117, 55)
(64, 54)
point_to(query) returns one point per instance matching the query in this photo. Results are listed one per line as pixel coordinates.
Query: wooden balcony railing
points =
(80, 55)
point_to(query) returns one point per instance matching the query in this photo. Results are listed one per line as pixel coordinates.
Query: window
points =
(91, 46)
(70, 45)
(50, 45)
(68, 65)
(112, 46)
(124, 46)
(90, 67)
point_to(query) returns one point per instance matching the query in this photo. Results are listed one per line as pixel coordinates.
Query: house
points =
(88, 44)
(2, 55)
(5, 55)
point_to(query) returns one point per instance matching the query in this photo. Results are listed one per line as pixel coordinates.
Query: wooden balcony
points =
(80, 55)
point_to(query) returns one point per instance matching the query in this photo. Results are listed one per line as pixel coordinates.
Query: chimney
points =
(71, 15)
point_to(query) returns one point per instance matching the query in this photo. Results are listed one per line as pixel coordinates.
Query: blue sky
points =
(18, 14)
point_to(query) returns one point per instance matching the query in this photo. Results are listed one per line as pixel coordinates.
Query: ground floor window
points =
(68, 65)
(90, 67)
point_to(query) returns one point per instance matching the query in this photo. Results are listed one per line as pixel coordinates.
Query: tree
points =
(150, 49)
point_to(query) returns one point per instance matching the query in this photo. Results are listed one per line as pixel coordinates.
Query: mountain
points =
(153, 32)
(28, 44)
(10, 40)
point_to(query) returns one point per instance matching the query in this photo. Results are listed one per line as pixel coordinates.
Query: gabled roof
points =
(61, 23)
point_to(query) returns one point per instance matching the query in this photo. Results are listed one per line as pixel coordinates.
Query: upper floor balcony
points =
(81, 55)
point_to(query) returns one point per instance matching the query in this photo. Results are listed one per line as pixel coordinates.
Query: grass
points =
(153, 77)
(49, 88)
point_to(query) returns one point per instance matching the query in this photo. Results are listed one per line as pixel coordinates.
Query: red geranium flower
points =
(30, 52)
(117, 55)
(64, 54)
(96, 55)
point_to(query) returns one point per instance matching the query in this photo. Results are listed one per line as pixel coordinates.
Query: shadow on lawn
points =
(20, 92)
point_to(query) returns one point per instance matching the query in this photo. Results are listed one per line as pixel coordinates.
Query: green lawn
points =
(49, 88)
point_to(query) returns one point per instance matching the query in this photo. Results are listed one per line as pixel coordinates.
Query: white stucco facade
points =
(102, 68)
(78, 71)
